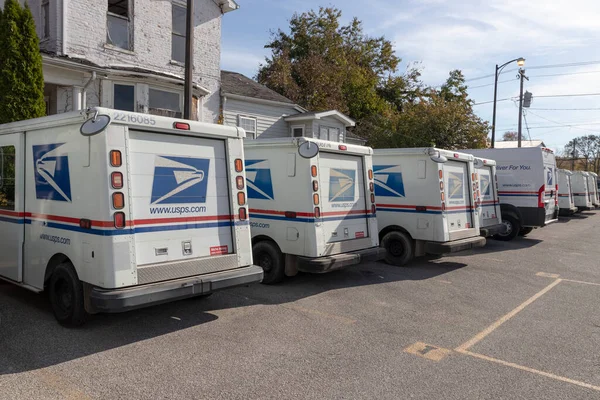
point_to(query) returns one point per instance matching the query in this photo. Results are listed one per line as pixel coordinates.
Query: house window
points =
(178, 21)
(117, 29)
(332, 134)
(45, 19)
(249, 125)
(124, 97)
(7, 178)
(164, 103)
(298, 131)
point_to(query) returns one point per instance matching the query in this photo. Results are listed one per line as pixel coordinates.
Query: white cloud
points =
(243, 61)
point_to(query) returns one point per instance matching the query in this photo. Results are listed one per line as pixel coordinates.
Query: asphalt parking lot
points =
(515, 320)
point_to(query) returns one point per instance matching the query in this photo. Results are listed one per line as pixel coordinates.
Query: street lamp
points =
(520, 62)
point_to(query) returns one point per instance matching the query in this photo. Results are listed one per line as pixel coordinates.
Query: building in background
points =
(509, 144)
(265, 114)
(129, 55)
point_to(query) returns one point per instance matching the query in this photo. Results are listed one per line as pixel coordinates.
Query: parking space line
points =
(532, 370)
(547, 275)
(339, 318)
(481, 335)
(582, 282)
(427, 351)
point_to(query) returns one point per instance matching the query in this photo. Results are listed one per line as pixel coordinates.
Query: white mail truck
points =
(527, 187)
(566, 202)
(488, 206)
(312, 205)
(581, 190)
(109, 210)
(593, 188)
(426, 202)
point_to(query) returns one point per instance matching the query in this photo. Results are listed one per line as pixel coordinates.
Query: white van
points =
(312, 206)
(488, 207)
(593, 188)
(581, 191)
(426, 202)
(566, 202)
(527, 187)
(110, 210)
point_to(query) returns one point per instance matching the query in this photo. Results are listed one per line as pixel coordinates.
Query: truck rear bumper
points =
(567, 211)
(119, 300)
(492, 230)
(455, 245)
(321, 265)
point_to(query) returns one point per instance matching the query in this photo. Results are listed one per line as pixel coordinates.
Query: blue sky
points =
(470, 35)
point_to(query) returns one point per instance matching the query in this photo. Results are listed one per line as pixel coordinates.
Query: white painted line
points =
(532, 370)
(582, 282)
(547, 275)
(481, 335)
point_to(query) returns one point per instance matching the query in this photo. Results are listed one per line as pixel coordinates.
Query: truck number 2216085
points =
(135, 118)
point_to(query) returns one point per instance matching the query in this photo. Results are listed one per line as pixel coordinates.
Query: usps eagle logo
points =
(51, 170)
(455, 185)
(258, 178)
(341, 184)
(485, 185)
(388, 181)
(179, 180)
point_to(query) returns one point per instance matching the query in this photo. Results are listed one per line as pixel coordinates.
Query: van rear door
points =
(459, 201)
(343, 200)
(180, 200)
(550, 196)
(489, 198)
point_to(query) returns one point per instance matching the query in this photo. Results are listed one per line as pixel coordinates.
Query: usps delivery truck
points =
(488, 206)
(581, 190)
(527, 187)
(109, 210)
(566, 202)
(426, 202)
(593, 188)
(312, 205)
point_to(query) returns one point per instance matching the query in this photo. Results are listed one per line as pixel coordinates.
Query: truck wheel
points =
(525, 231)
(269, 258)
(513, 226)
(399, 249)
(66, 296)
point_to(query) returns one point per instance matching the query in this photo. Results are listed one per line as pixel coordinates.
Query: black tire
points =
(525, 231)
(513, 227)
(399, 248)
(66, 296)
(268, 256)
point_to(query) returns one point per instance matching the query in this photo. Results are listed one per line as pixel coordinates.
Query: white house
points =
(266, 114)
(129, 54)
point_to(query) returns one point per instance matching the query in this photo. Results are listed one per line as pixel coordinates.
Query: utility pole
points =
(189, 61)
(521, 76)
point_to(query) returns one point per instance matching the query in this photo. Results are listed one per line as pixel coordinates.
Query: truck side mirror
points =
(438, 158)
(308, 150)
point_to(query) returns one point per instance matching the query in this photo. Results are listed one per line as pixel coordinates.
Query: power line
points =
(564, 109)
(546, 96)
(566, 73)
(577, 64)
(491, 101)
(492, 84)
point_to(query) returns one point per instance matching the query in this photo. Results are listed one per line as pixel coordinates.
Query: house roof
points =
(322, 114)
(227, 5)
(233, 83)
(509, 144)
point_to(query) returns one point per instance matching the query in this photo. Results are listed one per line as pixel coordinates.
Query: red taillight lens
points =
(242, 214)
(115, 158)
(119, 220)
(342, 147)
(443, 206)
(316, 199)
(118, 200)
(371, 187)
(441, 185)
(241, 198)
(441, 174)
(313, 171)
(290, 214)
(442, 196)
(85, 223)
(315, 186)
(116, 180)
(372, 198)
(373, 209)
(317, 212)
(239, 165)
(370, 174)
(473, 177)
(239, 182)
(181, 125)
(541, 194)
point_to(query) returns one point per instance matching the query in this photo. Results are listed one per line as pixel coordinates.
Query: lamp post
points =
(189, 61)
(520, 62)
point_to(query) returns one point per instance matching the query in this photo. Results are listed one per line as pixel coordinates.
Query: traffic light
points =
(527, 99)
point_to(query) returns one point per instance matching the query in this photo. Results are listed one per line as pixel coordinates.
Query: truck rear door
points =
(489, 198)
(343, 203)
(550, 197)
(459, 201)
(180, 200)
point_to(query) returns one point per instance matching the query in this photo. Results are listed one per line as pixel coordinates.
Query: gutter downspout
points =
(84, 91)
(65, 4)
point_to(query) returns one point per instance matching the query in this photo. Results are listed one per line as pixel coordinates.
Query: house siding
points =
(269, 118)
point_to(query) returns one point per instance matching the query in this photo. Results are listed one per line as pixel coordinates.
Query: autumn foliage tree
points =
(321, 64)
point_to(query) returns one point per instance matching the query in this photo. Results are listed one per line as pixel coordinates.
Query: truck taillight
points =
(317, 212)
(316, 199)
(181, 125)
(115, 158)
(541, 194)
(441, 174)
(370, 174)
(239, 182)
(373, 209)
(242, 214)
(556, 196)
(473, 177)
(443, 206)
(315, 186)
(442, 196)
(342, 147)
(116, 180)
(371, 187)
(239, 165)
(118, 200)
(241, 198)
(313, 171)
(119, 220)
(372, 198)
(441, 186)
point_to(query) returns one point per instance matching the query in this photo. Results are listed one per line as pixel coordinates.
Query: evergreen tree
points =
(21, 75)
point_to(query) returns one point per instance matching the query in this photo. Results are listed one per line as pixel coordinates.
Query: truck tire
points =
(513, 226)
(66, 296)
(267, 255)
(399, 248)
(525, 231)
